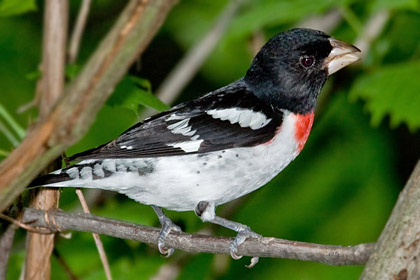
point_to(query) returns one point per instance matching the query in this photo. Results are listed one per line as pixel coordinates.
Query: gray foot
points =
(167, 227)
(243, 234)
(205, 211)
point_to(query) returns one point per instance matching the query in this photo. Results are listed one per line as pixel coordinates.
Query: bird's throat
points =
(303, 127)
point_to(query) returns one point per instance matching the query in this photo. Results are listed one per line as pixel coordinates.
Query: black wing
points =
(191, 128)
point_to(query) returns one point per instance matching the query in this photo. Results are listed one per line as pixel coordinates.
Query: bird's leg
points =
(167, 227)
(206, 211)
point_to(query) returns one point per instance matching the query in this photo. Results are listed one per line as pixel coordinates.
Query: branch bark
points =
(6, 242)
(266, 247)
(397, 252)
(39, 246)
(76, 36)
(75, 111)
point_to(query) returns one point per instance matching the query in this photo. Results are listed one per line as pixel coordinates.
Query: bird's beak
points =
(341, 55)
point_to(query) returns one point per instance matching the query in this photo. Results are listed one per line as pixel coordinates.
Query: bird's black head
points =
(291, 68)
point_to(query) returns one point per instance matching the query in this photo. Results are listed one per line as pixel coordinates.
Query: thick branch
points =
(266, 247)
(39, 246)
(76, 110)
(397, 252)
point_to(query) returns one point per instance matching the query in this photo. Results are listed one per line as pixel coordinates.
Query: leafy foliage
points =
(132, 92)
(393, 91)
(13, 7)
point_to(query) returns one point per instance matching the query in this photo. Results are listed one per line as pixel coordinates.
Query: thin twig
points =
(12, 122)
(258, 40)
(266, 247)
(9, 135)
(6, 242)
(78, 30)
(196, 56)
(96, 237)
(371, 31)
(65, 266)
(25, 226)
(326, 22)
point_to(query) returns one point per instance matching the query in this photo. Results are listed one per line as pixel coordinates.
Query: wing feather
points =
(191, 128)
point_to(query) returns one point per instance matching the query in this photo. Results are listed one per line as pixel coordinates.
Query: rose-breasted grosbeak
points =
(220, 146)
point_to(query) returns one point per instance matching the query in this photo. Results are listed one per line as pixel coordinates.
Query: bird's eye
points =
(307, 61)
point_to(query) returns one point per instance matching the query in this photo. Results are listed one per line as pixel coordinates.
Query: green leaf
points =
(392, 4)
(268, 13)
(72, 70)
(16, 7)
(393, 91)
(132, 92)
(34, 75)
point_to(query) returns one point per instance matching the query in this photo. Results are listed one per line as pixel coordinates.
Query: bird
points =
(221, 146)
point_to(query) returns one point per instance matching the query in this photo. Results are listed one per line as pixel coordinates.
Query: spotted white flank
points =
(245, 117)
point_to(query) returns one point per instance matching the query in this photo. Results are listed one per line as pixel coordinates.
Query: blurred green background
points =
(340, 190)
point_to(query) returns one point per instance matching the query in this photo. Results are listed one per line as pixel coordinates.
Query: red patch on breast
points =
(303, 126)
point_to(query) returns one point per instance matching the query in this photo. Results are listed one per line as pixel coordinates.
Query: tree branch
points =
(371, 31)
(76, 35)
(73, 114)
(194, 243)
(39, 246)
(397, 252)
(6, 242)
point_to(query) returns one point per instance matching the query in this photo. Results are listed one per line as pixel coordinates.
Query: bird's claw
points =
(235, 256)
(166, 252)
(167, 227)
(254, 261)
(240, 238)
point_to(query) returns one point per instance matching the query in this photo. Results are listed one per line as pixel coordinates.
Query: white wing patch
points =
(126, 147)
(174, 117)
(244, 117)
(188, 147)
(182, 127)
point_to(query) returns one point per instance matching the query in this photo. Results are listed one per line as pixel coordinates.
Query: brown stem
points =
(266, 247)
(98, 242)
(6, 242)
(39, 246)
(77, 33)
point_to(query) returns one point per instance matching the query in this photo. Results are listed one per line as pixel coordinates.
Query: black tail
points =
(49, 179)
